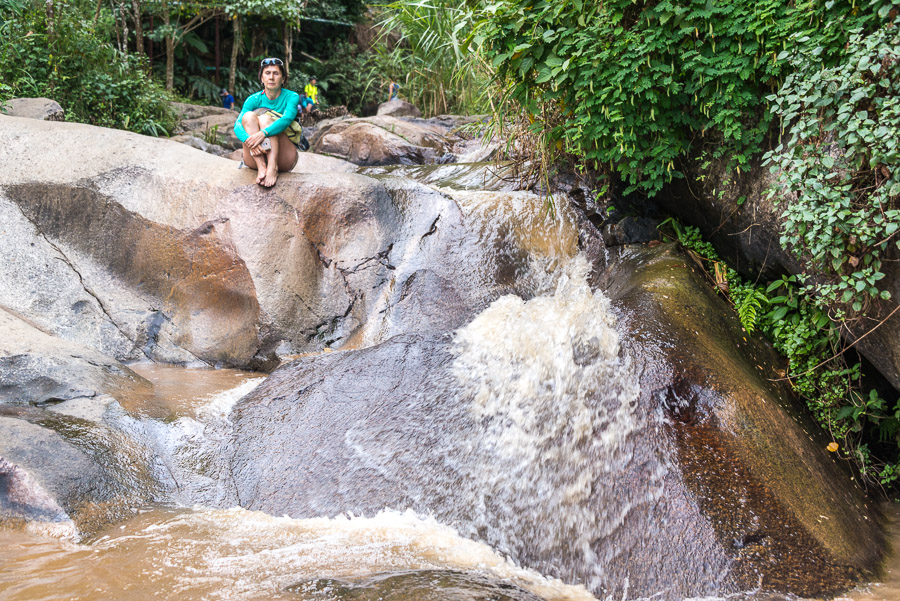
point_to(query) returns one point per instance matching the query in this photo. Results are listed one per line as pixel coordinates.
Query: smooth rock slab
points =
(36, 367)
(163, 252)
(42, 109)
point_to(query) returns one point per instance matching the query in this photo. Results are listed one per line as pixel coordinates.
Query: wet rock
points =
(398, 108)
(43, 109)
(457, 176)
(787, 515)
(422, 585)
(709, 458)
(56, 467)
(21, 497)
(38, 368)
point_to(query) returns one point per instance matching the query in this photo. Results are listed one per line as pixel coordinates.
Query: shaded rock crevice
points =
(65, 259)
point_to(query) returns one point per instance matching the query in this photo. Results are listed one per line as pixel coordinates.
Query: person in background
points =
(267, 127)
(227, 99)
(306, 105)
(312, 93)
(393, 90)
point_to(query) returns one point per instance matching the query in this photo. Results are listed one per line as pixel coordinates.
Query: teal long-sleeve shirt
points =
(285, 104)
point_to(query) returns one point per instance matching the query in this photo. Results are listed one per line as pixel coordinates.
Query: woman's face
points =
(271, 77)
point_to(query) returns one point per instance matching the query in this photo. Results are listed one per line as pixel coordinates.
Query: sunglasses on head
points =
(271, 61)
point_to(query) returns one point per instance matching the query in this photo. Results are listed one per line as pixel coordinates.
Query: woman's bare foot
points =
(271, 176)
(261, 175)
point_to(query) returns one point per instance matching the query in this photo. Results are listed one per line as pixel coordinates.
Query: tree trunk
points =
(122, 13)
(235, 48)
(170, 48)
(48, 7)
(255, 42)
(97, 12)
(218, 49)
(138, 27)
(112, 7)
(288, 37)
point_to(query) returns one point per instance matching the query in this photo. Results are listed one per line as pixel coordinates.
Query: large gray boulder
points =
(398, 108)
(43, 109)
(160, 251)
(381, 140)
(532, 429)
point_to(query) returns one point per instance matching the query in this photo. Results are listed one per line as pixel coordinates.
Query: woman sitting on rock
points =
(266, 124)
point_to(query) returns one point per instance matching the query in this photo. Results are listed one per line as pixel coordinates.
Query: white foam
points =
(557, 409)
(258, 550)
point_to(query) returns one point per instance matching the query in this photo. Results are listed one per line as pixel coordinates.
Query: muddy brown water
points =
(234, 554)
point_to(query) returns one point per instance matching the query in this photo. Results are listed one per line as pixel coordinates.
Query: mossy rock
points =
(790, 517)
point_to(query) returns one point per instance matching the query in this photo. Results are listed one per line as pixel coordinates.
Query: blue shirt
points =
(228, 101)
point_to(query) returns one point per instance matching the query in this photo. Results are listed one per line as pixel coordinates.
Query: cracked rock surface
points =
(38, 368)
(159, 252)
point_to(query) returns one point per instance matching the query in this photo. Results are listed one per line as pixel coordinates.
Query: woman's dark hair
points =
(272, 63)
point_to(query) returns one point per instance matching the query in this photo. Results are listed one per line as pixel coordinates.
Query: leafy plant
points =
(438, 65)
(76, 64)
(638, 85)
(839, 167)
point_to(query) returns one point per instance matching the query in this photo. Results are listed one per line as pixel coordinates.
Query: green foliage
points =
(749, 302)
(840, 166)
(639, 85)
(77, 66)
(438, 67)
(351, 77)
(803, 333)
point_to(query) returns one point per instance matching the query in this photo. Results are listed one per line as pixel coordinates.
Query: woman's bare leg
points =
(271, 173)
(272, 162)
(250, 121)
(287, 153)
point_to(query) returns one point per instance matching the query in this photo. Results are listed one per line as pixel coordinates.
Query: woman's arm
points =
(289, 101)
(251, 104)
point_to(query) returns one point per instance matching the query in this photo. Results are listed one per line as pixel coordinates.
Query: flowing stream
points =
(546, 387)
(189, 553)
(233, 554)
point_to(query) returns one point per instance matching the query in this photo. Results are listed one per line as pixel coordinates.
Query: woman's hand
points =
(254, 141)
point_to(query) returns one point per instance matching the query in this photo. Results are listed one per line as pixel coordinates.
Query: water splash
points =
(557, 415)
(242, 555)
(187, 446)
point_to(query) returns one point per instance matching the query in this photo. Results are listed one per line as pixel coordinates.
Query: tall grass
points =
(439, 67)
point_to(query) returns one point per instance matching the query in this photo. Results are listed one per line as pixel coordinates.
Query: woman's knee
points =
(250, 118)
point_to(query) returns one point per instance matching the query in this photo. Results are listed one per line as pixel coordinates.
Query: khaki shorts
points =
(293, 132)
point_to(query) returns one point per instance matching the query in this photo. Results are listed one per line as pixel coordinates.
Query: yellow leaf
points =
(832, 447)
